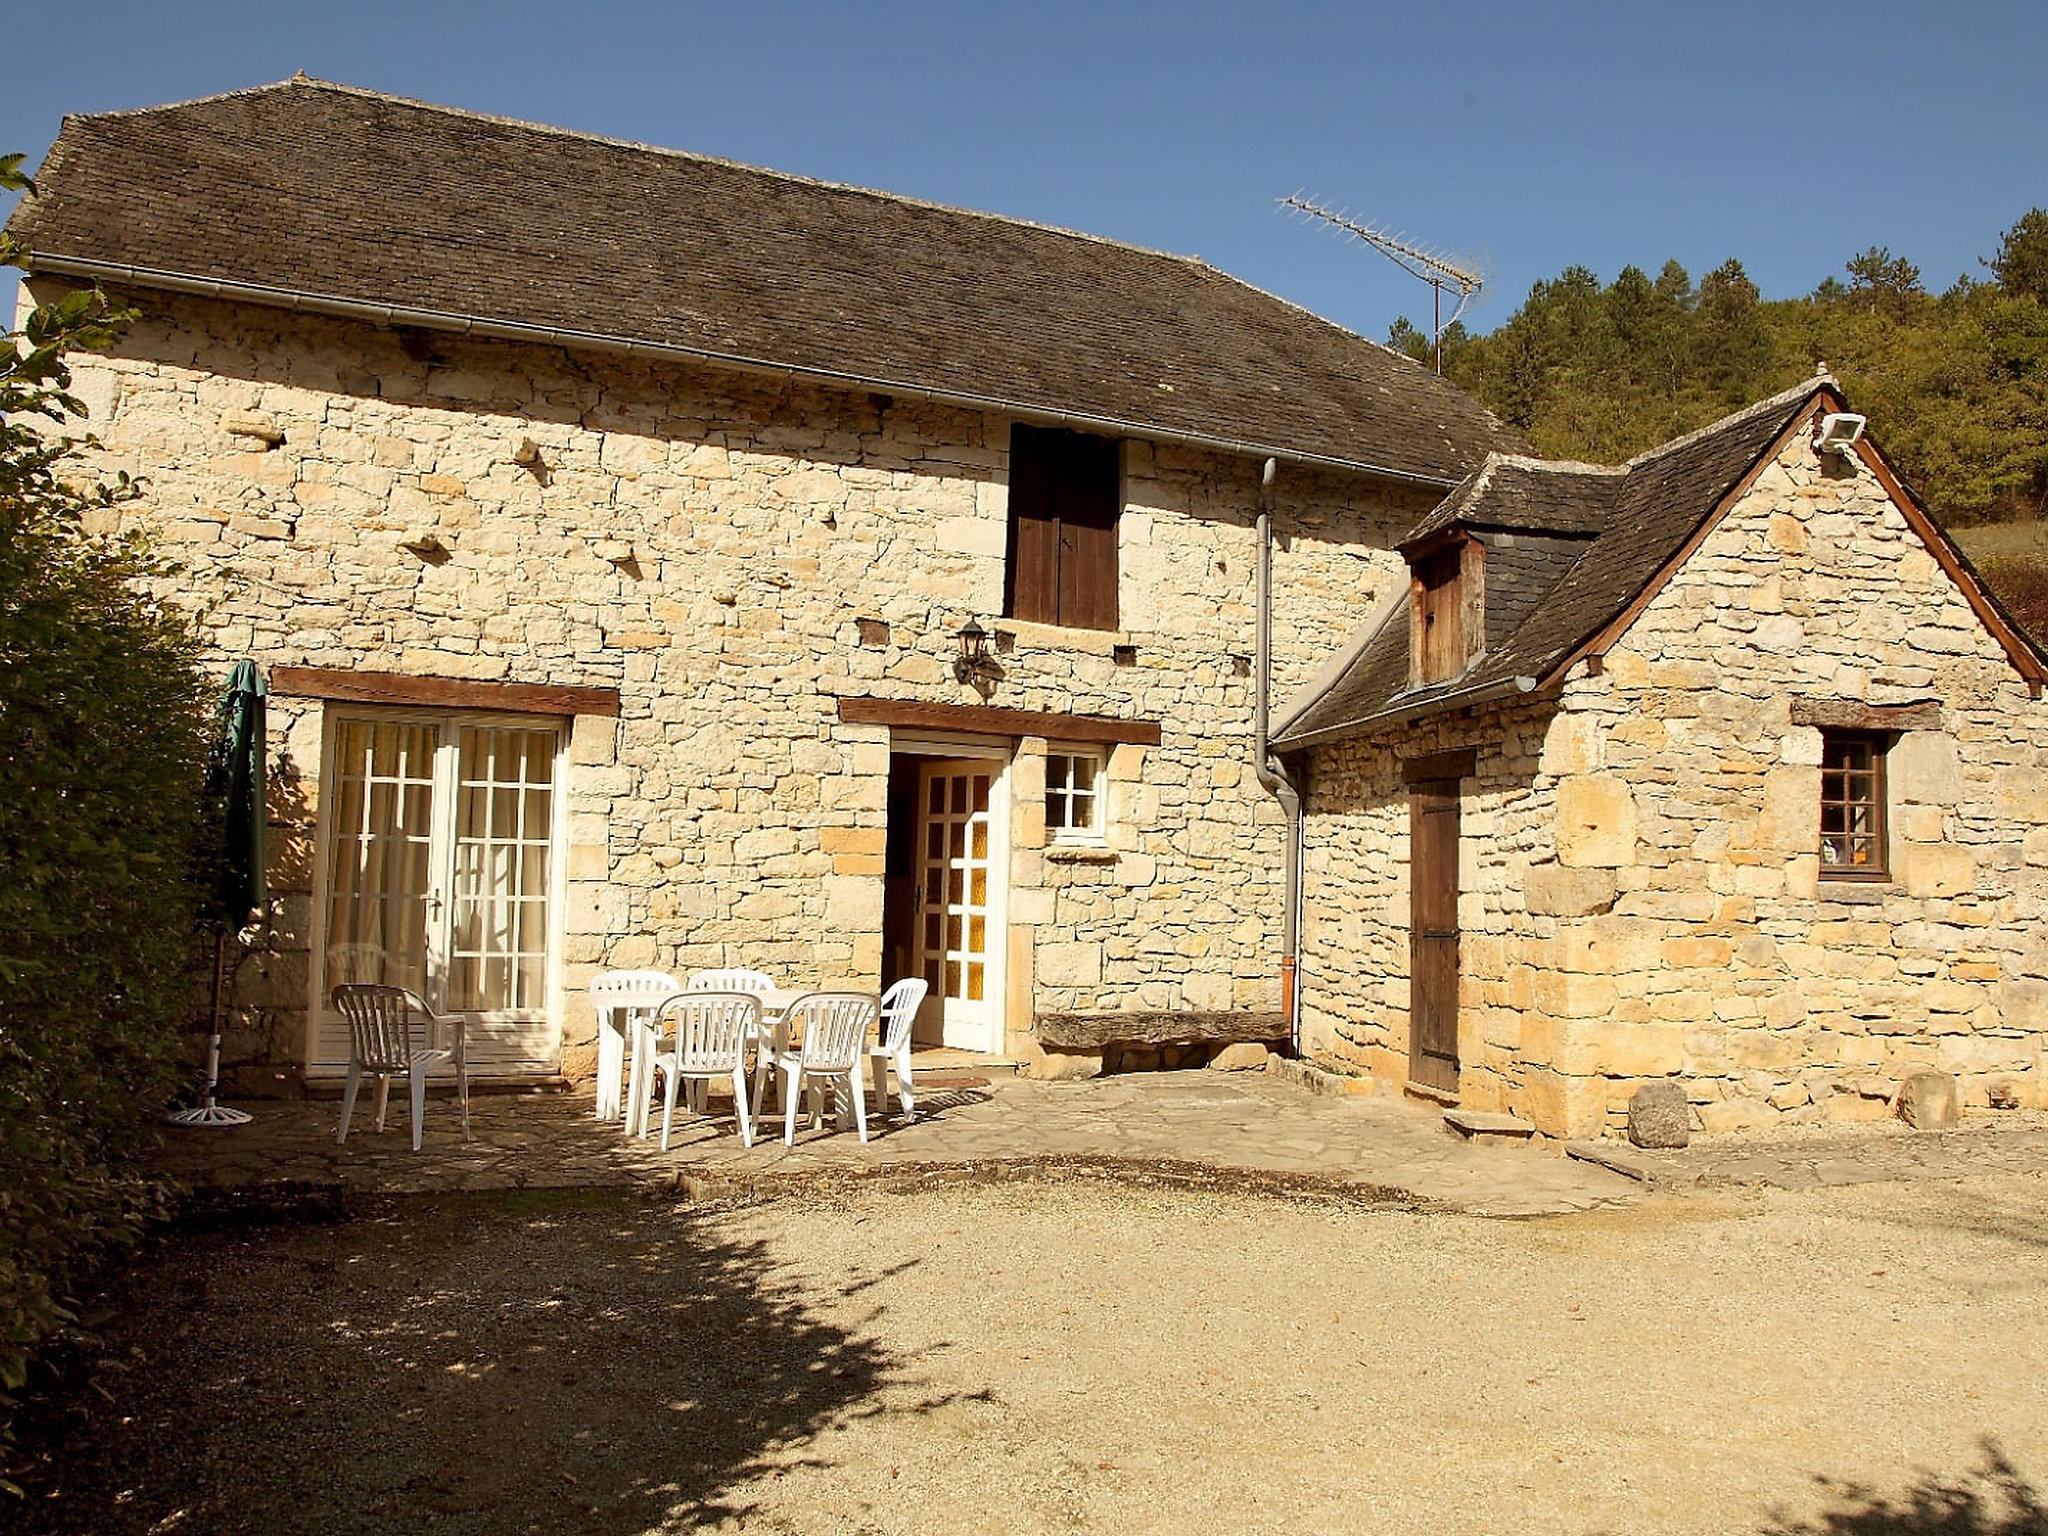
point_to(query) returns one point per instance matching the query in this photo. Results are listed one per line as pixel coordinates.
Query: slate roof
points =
(307, 187)
(1568, 548)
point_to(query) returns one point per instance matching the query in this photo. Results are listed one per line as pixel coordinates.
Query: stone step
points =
(1480, 1125)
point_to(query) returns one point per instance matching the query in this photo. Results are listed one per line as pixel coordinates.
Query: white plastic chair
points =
(355, 962)
(733, 979)
(738, 978)
(899, 1012)
(391, 1031)
(835, 1026)
(625, 1000)
(710, 1043)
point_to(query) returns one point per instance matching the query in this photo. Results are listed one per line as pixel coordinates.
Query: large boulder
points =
(1659, 1116)
(1928, 1101)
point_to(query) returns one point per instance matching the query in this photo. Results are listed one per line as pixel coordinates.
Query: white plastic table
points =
(771, 1041)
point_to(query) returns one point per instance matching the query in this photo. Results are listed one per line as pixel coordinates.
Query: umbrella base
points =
(210, 1114)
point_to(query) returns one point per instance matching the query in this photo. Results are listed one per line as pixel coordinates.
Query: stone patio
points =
(1986, 1142)
(1196, 1127)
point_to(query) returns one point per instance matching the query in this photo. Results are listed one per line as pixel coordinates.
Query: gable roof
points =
(322, 196)
(1626, 528)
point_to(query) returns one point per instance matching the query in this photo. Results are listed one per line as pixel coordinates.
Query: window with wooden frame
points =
(1853, 837)
(1073, 797)
(1066, 495)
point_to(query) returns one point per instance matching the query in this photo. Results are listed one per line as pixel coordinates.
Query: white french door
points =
(438, 872)
(958, 903)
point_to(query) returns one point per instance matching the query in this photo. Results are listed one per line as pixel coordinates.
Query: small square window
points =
(1853, 839)
(1073, 797)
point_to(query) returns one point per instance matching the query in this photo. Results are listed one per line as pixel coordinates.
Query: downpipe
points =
(1271, 773)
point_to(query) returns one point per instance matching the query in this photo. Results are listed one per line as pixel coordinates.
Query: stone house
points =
(1722, 766)
(660, 561)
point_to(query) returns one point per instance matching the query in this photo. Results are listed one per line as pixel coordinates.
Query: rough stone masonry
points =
(732, 556)
(1641, 896)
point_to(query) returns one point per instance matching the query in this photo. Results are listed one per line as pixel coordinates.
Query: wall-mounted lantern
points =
(974, 666)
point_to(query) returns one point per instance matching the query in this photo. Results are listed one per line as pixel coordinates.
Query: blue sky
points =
(1525, 136)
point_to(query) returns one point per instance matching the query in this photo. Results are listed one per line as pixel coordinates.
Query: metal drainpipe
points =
(1273, 778)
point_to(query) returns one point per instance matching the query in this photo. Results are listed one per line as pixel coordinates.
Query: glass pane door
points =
(954, 897)
(380, 832)
(439, 867)
(505, 787)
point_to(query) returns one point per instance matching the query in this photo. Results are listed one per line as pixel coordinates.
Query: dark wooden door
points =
(1433, 934)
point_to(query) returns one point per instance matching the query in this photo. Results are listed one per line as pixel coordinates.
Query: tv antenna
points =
(1437, 271)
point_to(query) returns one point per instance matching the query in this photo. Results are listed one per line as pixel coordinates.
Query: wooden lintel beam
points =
(400, 688)
(1438, 766)
(1855, 715)
(981, 720)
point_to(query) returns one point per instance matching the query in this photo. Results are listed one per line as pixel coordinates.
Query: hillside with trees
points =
(1955, 383)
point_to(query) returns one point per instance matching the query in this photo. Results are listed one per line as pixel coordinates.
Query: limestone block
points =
(2023, 794)
(1240, 1056)
(2034, 846)
(1608, 946)
(1604, 1048)
(2023, 1004)
(1800, 747)
(1032, 906)
(1787, 535)
(1790, 820)
(1573, 1108)
(1935, 869)
(1564, 995)
(1054, 1066)
(1695, 953)
(1572, 745)
(1725, 1115)
(1922, 767)
(254, 425)
(1928, 1101)
(593, 741)
(1069, 964)
(983, 536)
(1596, 822)
(1659, 1116)
(854, 840)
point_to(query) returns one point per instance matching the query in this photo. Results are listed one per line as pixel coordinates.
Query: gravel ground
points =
(1076, 1357)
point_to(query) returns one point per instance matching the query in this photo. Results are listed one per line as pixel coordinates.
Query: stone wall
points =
(1657, 909)
(707, 544)
(1354, 940)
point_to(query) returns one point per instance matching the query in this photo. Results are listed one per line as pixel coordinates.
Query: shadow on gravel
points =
(1995, 1500)
(526, 1361)
(2006, 1214)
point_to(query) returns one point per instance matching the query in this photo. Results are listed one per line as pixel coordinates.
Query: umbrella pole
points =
(209, 1113)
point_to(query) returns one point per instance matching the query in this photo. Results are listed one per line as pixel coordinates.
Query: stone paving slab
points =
(1986, 1142)
(1150, 1124)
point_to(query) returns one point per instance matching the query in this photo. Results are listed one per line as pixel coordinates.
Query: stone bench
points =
(1184, 1037)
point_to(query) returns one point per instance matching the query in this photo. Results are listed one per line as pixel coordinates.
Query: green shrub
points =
(103, 735)
(2022, 585)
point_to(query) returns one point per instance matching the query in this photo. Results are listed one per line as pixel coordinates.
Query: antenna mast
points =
(1437, 271)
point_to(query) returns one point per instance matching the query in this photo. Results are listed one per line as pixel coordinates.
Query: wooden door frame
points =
(1001, 752)
(1435, 786)
(331, 717)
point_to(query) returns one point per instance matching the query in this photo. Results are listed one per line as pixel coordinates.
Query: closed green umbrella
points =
(234, 785)
(235, 782)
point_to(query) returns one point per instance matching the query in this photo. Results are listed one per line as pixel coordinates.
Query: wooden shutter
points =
(1090, 500)
(1031, 575)
(1066, 493)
